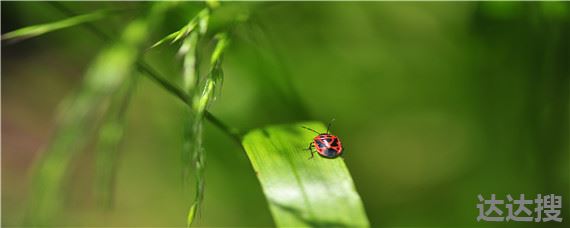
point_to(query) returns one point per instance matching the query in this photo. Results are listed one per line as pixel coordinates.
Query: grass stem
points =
(155, 76)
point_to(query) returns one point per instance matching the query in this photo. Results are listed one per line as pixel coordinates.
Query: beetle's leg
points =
(311, 145)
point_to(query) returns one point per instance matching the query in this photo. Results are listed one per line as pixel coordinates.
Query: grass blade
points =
(36, 30)
(107, 74)
(108, 142)
(82, 114)
(200, 21)
(302, 191)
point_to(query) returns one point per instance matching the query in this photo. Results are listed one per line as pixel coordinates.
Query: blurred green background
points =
(435, 103)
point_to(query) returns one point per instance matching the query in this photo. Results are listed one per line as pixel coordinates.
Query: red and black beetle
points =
(327, 145)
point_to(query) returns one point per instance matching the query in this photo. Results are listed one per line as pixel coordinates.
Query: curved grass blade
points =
(82, 114)
(200, 21)
(106, 75)
(301, 191)
(172, 36)
(108, 142)
(36, 30)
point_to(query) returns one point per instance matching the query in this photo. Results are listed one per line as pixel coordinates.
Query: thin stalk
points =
(154, 75)
(232, 132)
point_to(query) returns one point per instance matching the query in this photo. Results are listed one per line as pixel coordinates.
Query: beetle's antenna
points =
(311, 129)
(329, 126)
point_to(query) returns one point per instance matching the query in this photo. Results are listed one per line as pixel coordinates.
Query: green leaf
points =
(302, 191)
(36, 30)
